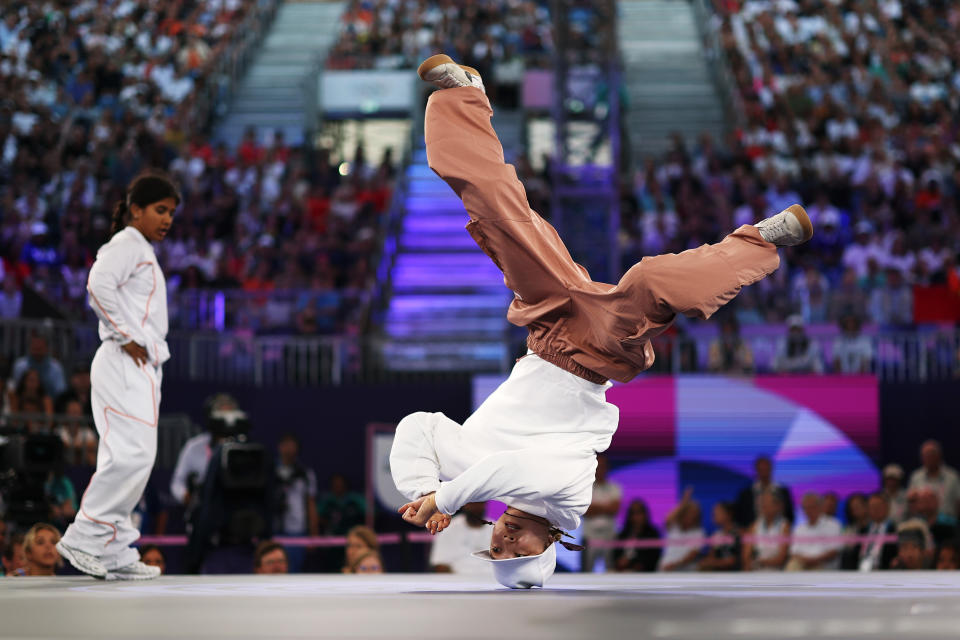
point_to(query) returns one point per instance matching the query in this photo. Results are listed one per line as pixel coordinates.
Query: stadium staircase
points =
(279, 89)
(668, 80)
(447, 310)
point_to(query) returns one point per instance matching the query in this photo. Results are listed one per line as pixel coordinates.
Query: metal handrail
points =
(896, 355)
(718, 63)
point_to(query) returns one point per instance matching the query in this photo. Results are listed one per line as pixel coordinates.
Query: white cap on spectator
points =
(795, 321)
(522, 573)
(864, 226)
(38, 229)
(893, 471)
(830, 218)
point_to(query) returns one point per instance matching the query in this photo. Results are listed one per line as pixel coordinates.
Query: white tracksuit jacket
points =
(532, 444)
(129, 295)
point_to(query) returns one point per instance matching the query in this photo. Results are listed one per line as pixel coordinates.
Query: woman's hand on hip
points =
(138, 353)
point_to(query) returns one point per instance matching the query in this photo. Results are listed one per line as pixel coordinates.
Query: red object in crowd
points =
(249, 152)
(938, 303)
(318, 211)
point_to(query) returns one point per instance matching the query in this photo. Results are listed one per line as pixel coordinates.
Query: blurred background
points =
(321, 284)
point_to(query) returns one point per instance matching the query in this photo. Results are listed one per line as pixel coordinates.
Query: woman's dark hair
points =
(22, 384)
(147, 188)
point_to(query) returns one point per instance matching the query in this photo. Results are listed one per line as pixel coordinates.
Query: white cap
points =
(522, 573)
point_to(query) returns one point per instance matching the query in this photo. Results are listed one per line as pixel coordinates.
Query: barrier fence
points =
(920, 355)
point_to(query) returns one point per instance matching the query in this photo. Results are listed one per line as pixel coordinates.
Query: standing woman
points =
(129, 295)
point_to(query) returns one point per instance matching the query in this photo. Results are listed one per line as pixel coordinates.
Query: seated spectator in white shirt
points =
(467, 532)
(815, 555)
(857, 255)
(683, 524)
(798, 353)
(765, 554)
(892, 304)
(852, 351)
(939, 477)
(79, 441)
(599, 522)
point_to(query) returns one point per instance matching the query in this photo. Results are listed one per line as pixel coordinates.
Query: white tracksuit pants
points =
(126, 403)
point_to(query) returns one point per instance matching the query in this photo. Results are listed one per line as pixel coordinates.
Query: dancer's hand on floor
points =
(437, 523)
(420, 510)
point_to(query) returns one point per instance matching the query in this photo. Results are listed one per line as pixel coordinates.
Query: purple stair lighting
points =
(448, 306)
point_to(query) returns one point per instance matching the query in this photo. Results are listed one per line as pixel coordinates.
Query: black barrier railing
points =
(920, 355)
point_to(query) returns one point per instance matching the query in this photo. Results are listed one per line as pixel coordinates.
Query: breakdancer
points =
(533, 443)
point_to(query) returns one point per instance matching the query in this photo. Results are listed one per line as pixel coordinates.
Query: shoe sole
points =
(433, 62)
(801, 215)
(67, 553)
(114, 577)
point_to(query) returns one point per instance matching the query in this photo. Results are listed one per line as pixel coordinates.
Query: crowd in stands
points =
(895, 527)
(850, 108)
(394, 34)
(96, 92)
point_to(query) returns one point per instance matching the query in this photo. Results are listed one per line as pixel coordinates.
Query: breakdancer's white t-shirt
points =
(531, 444)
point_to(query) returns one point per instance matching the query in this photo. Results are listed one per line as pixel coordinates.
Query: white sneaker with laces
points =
(82, 561)
(442, 72)
(134, 571)
(790, 227)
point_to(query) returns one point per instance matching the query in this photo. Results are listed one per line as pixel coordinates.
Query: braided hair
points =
(147, 188)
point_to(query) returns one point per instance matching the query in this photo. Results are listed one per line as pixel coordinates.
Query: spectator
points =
(683, 525)
(942, 527)
(852, 351)
(339, 508)
(39, 549)
(367, 563)
(637, 527)
(299, 505)
(14, 559)
(152, 556)
(811, 556)
(912, 547)
(79, 387)
(892, 304)
(747, 505)
(876, 554)
(39, 359)
(831, 502)
(30, 396)
(797, 353)
(269, 558)
(763, 553)
(62, 497)
(79, 440)
(360, 541)
(938, 476)
(729, 353)
(856, 518)
(466, 533)
(11, 298)
(948, 557)
(725, 552)
(894, 492)
(599, 522)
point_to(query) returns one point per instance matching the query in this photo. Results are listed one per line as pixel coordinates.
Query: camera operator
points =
(232, 500)
(195, 455)
(298, 486)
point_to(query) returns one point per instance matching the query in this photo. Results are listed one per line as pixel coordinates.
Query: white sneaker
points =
(790, 227)
(441, 71)
(82, 561)
(134, 571)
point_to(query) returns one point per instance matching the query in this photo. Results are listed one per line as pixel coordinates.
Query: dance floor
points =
(763, 606)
